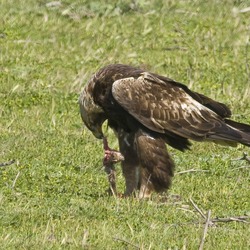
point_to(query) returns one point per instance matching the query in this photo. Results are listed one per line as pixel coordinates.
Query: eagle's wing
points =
(162, 106)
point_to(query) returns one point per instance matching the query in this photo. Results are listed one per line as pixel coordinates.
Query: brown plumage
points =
(146, 111)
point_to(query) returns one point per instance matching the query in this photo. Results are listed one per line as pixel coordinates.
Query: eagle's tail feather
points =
(232, 133)
(240, 126)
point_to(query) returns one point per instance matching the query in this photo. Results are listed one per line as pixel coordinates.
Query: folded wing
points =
(161, 106)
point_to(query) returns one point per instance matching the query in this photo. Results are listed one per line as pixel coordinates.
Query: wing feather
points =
(162, 106)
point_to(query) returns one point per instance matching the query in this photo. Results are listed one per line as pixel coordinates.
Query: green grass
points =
(53, 197)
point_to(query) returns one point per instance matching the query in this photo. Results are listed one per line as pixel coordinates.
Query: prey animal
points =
(148, 111)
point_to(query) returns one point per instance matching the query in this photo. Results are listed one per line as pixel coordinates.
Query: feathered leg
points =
(146, 186)
(157, 166)
(130, 165)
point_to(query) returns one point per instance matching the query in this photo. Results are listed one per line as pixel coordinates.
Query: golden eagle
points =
(148, 111)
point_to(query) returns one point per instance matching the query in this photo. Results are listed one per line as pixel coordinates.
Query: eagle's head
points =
(92, 114)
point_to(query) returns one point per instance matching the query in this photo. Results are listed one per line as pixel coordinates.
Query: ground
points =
(53, 196)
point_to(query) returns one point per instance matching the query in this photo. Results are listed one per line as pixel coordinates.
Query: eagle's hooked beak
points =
(94, 124)
(97, 131)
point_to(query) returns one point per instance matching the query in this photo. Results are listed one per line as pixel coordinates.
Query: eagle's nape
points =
(146, 111)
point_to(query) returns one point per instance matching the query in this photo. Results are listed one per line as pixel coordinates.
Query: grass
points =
(53, 196)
